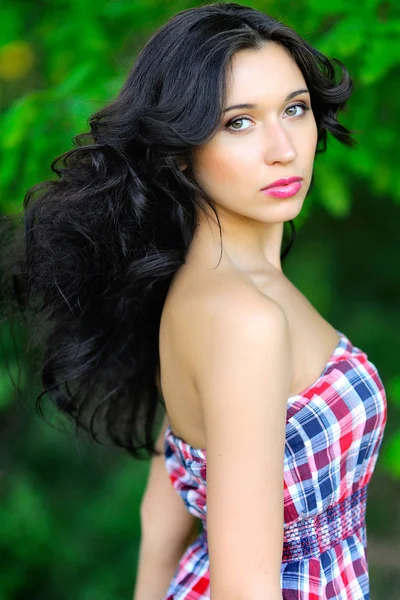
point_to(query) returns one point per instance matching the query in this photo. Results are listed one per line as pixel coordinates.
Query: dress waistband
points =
(313, 536)
(310, 537)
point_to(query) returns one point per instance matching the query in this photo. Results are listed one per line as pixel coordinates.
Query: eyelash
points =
(304, 106)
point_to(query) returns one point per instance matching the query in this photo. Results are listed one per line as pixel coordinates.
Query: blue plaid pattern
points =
(334, 431)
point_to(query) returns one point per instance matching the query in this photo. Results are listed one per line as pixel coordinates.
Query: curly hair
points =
(102, 241)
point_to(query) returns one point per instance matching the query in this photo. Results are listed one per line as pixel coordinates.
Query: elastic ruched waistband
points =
(311, 537)
(308, 538)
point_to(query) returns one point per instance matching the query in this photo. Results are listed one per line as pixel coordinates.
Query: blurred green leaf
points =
(391, 455)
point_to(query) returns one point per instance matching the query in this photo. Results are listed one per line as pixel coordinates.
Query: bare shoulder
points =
(233, 310)
(241, 338)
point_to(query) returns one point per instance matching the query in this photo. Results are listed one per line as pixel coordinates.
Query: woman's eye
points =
(239, 119)
(304, 108)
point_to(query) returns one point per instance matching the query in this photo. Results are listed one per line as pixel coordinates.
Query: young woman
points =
(153, 265)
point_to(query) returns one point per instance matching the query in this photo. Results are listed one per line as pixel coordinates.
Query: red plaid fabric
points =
(334, 431)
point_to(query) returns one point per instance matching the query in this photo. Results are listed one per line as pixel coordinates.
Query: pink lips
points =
(284, 188)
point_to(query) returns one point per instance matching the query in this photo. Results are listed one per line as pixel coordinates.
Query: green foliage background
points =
(69, 511)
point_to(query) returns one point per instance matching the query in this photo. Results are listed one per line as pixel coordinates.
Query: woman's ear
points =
(182, 161)
(182, 165)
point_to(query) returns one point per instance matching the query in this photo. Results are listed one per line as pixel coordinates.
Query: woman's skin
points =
(275, 140)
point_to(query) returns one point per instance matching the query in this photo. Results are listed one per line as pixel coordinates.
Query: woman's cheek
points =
(217, 170)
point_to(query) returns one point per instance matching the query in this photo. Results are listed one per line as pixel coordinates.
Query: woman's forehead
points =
(267, 72)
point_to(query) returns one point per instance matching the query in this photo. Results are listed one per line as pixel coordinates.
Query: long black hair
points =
(102, 242)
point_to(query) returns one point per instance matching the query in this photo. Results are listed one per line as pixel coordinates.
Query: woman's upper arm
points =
(165, 520)
(243, 377)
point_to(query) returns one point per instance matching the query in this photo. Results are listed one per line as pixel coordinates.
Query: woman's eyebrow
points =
(289, 97)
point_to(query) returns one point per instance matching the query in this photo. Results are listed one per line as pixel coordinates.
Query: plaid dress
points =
(334, 431)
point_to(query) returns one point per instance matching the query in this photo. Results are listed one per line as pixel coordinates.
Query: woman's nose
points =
(279, 146)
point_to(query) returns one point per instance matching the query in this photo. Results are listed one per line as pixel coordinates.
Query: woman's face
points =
(255, 146)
